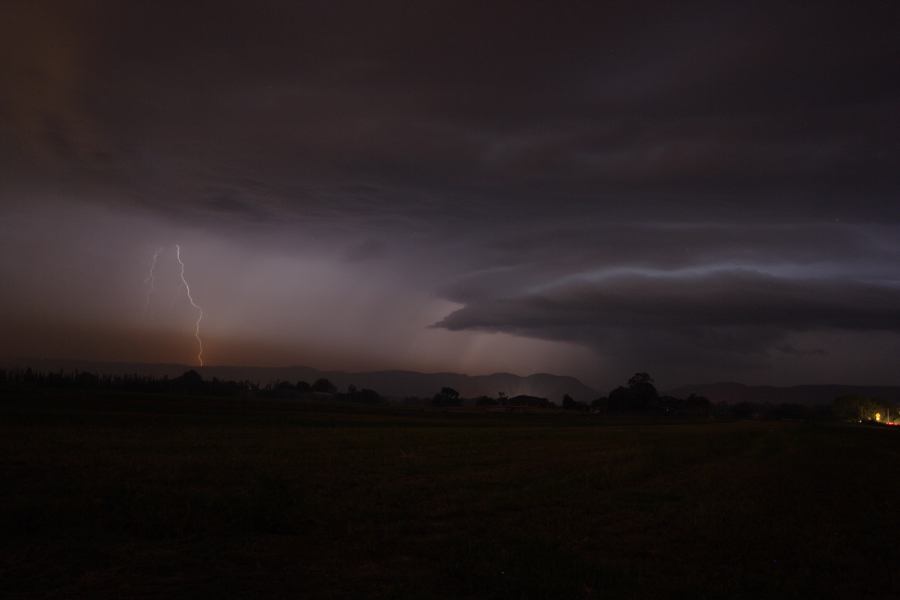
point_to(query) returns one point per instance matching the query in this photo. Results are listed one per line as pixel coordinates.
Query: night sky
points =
(704, 191)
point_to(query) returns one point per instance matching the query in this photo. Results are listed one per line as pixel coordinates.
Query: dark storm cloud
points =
(493, 153)
(726, 317)
(656, 104)
(366, 250)
(730, 299)
(230, 203)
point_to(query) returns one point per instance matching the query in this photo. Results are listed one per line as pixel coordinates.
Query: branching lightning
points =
(187, 288)
(150, 281)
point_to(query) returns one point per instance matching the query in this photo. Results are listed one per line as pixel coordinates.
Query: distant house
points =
(524, 400)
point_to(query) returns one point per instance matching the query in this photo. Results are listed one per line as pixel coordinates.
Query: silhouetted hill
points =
(808, 395)
(395, 384)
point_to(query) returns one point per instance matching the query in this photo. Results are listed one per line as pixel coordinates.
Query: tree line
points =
(189, 383)
(638, 396)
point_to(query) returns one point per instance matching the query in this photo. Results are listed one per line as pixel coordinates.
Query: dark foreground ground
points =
(137, 497)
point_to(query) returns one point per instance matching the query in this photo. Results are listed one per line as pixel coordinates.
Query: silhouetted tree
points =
(639, 396)
(367, 396)
(323, 386)
(568, 403)
(600, 404)
(486, 401)
(642, 391)
(857, 407)
(744, 410)
(90, 380)
(190, 381)
(447, 397)
(619, 399)
(361, 396)
(284, 388)
(640, 379)
(697, 405)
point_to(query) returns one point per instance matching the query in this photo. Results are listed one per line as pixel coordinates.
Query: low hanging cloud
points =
(732, 318)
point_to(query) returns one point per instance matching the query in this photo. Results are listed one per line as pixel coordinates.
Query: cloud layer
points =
(651, 184)
(730, 319)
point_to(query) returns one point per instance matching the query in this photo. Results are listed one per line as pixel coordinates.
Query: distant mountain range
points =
(393, 384)
(808, 395)
(402, 384)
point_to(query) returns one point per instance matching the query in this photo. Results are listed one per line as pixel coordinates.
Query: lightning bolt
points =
(187, 288)
(150, 281)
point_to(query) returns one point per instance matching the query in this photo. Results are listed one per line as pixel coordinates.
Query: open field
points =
(135, 496)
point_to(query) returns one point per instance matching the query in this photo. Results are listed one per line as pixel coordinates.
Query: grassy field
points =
(141, 497)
